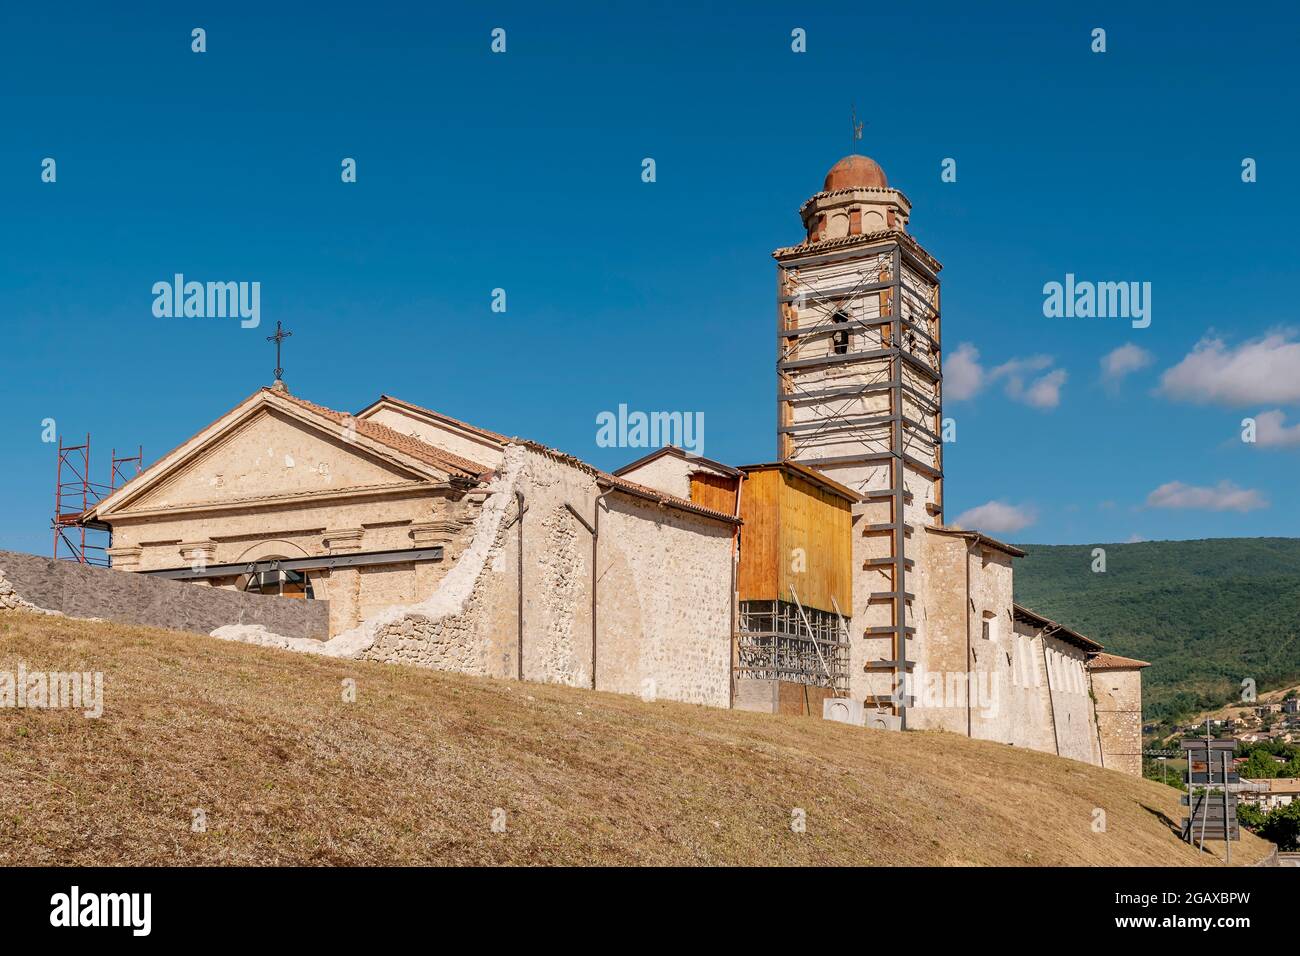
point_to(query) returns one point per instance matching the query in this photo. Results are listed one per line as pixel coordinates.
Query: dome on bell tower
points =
(855, 172)
(855, 200)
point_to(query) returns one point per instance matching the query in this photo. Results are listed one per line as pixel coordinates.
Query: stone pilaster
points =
(198, 554)
(344, 540)
(125, 558)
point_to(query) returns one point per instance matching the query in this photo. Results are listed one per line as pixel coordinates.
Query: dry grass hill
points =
(286, 772)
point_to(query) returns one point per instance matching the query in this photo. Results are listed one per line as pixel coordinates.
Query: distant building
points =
(1271, 794)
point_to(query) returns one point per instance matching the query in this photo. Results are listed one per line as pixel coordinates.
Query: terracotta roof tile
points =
(979, 537)
(484, 432)
(663, 498)
(1052, 628)
(406, 444)
(1113, 662)
(602, 477)
(829, 245)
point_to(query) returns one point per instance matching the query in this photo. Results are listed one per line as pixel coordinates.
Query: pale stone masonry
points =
(1117, 690)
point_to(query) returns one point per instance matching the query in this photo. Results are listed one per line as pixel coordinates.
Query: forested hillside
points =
(1205, 613)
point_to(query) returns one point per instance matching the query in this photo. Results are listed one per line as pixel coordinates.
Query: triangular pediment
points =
(270, 452)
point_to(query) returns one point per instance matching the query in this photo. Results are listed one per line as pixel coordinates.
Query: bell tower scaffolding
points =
(859, 398)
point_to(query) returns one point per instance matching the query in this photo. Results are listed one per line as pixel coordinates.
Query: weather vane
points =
(855, 125)
(280, 336)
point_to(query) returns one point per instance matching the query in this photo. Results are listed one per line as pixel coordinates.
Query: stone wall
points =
(1022, 688)
(1118, 695)
(666, 473)
(944, 620)
(665, 603)
(1072, 707)
(79, 590)
(663, 592)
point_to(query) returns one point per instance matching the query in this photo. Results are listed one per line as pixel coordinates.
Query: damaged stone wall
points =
(664, 593)
(1072, 704)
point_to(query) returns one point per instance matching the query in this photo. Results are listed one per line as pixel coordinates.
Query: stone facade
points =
(276, 479)
(1027, 686)
(662, 593)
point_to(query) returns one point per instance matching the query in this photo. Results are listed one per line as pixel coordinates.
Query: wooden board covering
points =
(801, 700)
(795, 532)
(714, 491)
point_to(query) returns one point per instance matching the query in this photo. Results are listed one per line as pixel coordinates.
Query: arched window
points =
(840, 339)
(280, 583)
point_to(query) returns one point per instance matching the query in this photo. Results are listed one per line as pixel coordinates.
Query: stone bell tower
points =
(859, 398)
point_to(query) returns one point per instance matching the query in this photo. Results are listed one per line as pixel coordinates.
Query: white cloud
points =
(1045, 392)
(997, 517)
(1271, 430)
(1260, 370)
(1123, 361)
(1225, 496)
(963, 376)
(1019, 367)
(1042, 392)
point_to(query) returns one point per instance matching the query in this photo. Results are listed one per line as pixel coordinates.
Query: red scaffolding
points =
(76, 539)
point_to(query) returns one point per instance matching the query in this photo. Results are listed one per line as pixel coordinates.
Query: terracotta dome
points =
(854, 171)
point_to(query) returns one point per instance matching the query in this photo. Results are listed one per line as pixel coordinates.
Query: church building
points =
(822, 581)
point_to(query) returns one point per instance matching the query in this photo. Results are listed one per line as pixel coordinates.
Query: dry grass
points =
(287, 773)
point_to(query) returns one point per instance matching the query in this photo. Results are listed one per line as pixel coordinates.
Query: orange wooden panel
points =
(795, 532)
(816, 537)
(759, 536)
(714, 491)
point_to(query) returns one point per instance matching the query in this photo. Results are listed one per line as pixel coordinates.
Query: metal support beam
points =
(359, 559)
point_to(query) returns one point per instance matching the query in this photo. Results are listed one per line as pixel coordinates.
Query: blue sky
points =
(522, 171)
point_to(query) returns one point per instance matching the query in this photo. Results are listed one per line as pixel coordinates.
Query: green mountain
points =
(1206, 614)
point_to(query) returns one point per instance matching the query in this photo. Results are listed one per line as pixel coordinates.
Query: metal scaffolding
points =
(779, 641)
(896, 349)
(76, 539)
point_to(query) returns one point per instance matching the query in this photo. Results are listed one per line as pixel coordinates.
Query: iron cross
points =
(280, 336)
